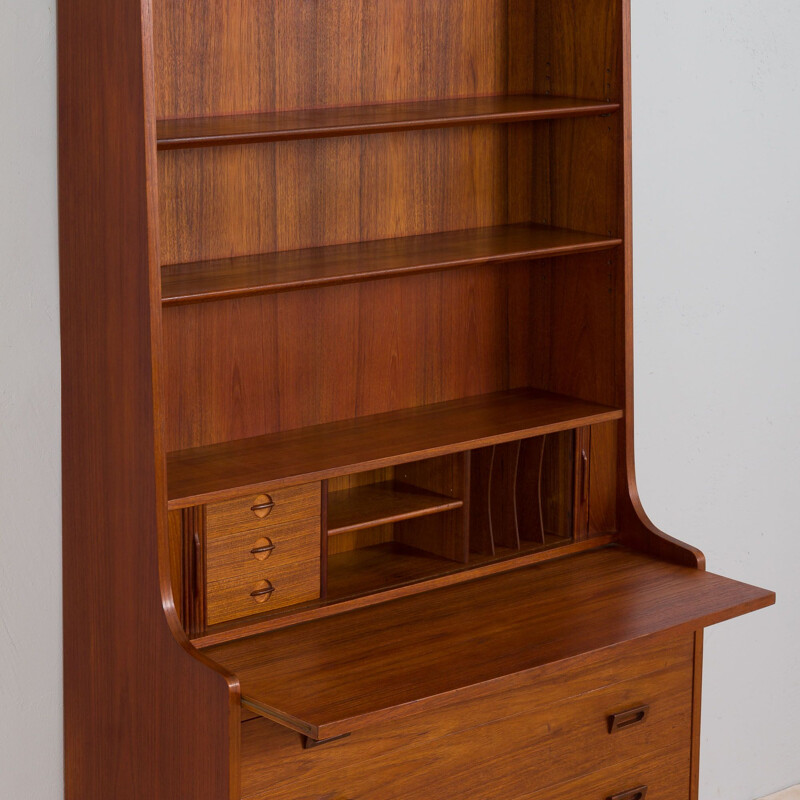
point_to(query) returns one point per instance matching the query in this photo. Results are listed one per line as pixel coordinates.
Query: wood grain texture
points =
(445, 535)
(222, 202)
(289, 505)
(381, 503)
(452, 575)
(564, 608)
(135, 692)
(283, 583)
(347, 263)
(364, 119)
(477, 745)
(232, 555)
(273, 55)
(252, 465)
(264, 364)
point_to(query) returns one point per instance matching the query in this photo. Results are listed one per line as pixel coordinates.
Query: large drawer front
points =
(512, 744)
(664, 775)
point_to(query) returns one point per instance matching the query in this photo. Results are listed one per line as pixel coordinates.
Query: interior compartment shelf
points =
(346, 263)
(383, 503)
(332, 676)
(221, 471)
(353, 120)
(386, 566)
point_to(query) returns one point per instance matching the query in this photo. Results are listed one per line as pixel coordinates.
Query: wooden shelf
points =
(222, 471)
(333, 676)
(356, 120)
(381, 567)
(381, 504)
(385, 258)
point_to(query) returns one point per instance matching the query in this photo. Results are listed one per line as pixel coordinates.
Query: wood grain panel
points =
(602, 479)
(234, 56)
(264, 463)
(327, 266)
(578, 50)
(293, 582)
(236, 201)
(366, 119)
(276, 362)
(231, 556)
(135, 692)
(301, 678)
(290, 505)
(505, 743)
(447, 534)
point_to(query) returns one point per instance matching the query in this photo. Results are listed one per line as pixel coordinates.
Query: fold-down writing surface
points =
(329, 677)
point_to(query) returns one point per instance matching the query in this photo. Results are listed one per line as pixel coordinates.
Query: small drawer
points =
(264, 510)
(248, 554)
(273, 588)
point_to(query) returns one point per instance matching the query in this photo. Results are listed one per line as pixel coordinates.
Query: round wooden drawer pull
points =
(262, 506)
(262, 592)
(263, 549)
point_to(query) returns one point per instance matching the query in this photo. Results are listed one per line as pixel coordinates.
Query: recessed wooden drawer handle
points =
(262, 592)
(625, 719)
(262, 506)
(263, 550)
(634, 794)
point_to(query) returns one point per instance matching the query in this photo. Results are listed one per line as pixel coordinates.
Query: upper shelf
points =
(360, 261)
(330, 677)
(221, 471)
(354, 120)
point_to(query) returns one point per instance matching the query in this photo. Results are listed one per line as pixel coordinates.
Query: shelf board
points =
(357, 120)
(223, 471)
(288, 270)
(381, 504)
(333, 676)
(382, 567)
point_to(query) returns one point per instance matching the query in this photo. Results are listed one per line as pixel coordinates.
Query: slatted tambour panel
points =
(274, 55)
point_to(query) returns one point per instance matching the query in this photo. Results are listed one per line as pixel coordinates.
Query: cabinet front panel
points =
(509, 745)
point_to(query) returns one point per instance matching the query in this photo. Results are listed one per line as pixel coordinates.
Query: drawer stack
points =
(615, 725)
(262, 552)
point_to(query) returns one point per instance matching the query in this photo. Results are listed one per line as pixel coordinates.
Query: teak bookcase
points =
(349, 498)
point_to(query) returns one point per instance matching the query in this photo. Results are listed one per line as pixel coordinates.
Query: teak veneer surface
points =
(350, 120)
(492, 747)
(334, 676)
(381, 503)
(326, 266)
(217, 472)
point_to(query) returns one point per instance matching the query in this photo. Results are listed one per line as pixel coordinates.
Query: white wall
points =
(30, 469)
(717, 319)
(717, 198)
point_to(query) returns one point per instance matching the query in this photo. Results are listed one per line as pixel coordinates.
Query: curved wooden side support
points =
(136, 694)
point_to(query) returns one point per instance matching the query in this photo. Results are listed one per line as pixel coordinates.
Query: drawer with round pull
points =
(264, 510)
(245, 555)
(271, 588)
